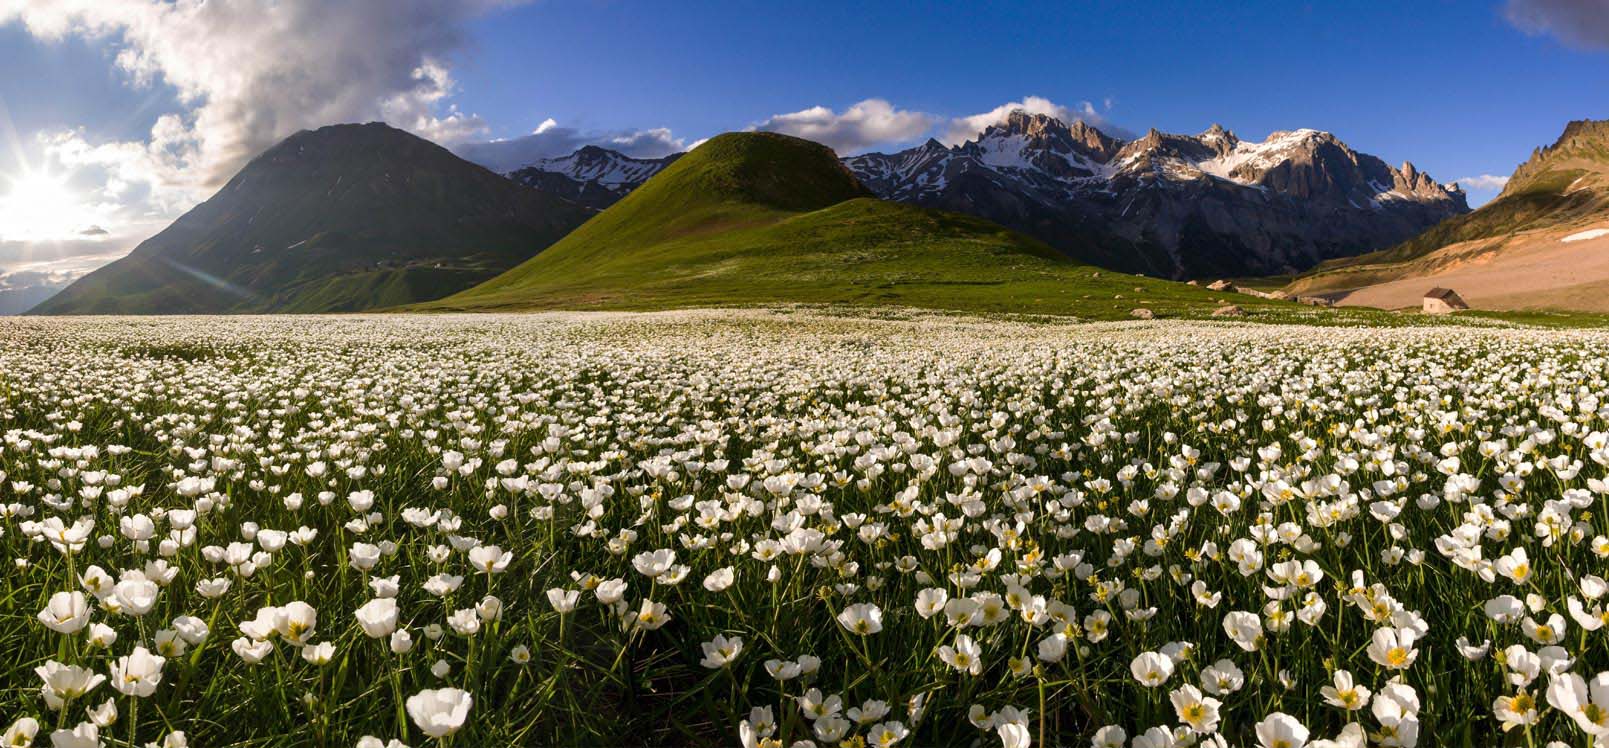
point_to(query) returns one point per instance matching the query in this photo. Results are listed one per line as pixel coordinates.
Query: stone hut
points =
(1443, 301)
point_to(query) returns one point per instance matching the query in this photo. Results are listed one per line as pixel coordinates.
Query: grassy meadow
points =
(718, 528)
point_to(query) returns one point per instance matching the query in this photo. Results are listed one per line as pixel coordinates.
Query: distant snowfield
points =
(1585, 235)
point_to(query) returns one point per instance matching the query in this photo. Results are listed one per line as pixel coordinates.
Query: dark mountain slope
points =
(343, 218)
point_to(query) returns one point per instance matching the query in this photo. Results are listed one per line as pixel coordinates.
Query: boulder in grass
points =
(1142, 313)
(1229, 310)
(1221, 285)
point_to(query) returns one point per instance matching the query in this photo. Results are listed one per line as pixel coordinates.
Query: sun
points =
(36, 205)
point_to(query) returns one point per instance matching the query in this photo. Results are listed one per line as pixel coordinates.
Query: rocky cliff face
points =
(1171, 205)
(1578, 160)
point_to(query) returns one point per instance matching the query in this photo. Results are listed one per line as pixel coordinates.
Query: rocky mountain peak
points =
(1583, 132)
(1031, 125)
(1043, 133)
(1098, 144)
(1579, 159)
(1220, 140)
(588, 152)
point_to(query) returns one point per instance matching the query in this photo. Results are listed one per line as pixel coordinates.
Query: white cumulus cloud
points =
(248, 73)
(867, 124)
(1484, 182)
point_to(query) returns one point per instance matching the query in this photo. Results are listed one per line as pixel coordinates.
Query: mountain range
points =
(1025, 217)
(1542, 243)
(1174, 206)
(343, 218)
(763, 218)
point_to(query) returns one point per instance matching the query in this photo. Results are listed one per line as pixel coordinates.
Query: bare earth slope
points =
(1534, 270)
(1542, 244)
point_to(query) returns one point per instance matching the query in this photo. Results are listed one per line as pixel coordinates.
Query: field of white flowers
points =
(774, 530)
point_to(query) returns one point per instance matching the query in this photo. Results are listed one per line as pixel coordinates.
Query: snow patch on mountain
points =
(1582, 236)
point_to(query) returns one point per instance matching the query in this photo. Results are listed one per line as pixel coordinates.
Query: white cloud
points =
(550, 139)
(246, 74)
(31, 271)
(867, 124)
(250, 72)
(1583, 24)
(962, 129)
(1484, 182)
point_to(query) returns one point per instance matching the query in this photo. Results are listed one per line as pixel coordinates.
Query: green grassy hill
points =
(760, 218)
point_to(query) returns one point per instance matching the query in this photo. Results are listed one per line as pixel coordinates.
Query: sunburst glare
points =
(40, 206)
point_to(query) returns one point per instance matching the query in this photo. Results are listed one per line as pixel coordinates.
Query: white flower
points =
(1014, 735)
(965, 656)
(490, 559)
(251, 651)
(652, 615)
(21, 733)
(1110, 736)
(1515, 565)
(1585, 702)
(439, 712)
(136, 597)
(377, 617)
(319, 654)
(464, 622)
(1345, 694)
(721, 651)
(1245, 629)
(66, 682)
(103, 716)
(1053, 648)
(295, 622)
(83, 735)
(611, 591)
(930, 601)
(720, 579)
(885, 734)
(1197, 711)
(1151, 669)
(563, 600)
(65, 613)
(1393, 648)
(654, 563)
(137, 673)
(1280, 730)
(862, 618)
(520, 654)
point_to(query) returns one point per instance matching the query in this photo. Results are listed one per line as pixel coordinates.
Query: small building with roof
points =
(1443, 301)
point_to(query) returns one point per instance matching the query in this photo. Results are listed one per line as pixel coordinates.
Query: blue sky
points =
(1452, 86)
(138, 109)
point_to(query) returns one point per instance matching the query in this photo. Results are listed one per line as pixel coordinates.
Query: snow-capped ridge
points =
(1029, 167)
